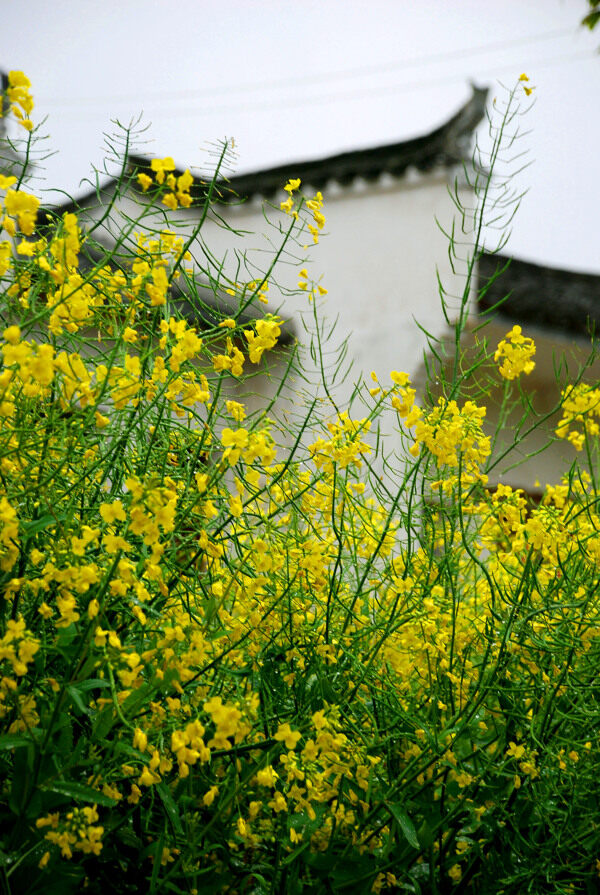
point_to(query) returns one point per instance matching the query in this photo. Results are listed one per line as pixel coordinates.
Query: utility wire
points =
(344, 74)
(350, 95)
(365, 92)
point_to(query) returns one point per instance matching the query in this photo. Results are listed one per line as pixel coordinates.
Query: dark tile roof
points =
(544, 296)
(445, 146)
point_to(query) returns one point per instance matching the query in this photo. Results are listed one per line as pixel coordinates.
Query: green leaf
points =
(156, 864)
(12, 740)
(137, 699)
(350, 870)
(129, 838)
(92, 683)
(63, 743)
(170, 807)
(76, 697)
(322, 862)
(21, 778)
(35, 806)
(105, 721)
(591, 20)
(289, 859)
(405, 824)
(37, 525)
(80, 792)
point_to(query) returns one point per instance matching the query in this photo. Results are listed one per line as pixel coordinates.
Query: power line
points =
(324, 99)
(344, 74)
(367, 91)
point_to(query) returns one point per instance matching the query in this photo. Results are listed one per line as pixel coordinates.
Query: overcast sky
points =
(303, 80)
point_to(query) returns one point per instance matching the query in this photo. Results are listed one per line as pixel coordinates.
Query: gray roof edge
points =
(548, 297)
(443, 147)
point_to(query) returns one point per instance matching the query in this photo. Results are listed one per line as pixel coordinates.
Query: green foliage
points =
(593, 17)
(234, 665)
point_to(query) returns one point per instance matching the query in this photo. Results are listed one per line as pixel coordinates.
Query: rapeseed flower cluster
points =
(515, 351)
(313, 205)
(77, 830)
(20, 99)
(222, 661)
(20, 211)
(580, 407)
(178, 187)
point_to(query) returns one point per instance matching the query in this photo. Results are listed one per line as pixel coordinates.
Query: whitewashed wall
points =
(377, 257)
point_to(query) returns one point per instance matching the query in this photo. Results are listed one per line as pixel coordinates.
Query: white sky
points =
(296, 80)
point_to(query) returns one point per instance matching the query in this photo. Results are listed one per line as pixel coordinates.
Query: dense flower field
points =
(229, 667)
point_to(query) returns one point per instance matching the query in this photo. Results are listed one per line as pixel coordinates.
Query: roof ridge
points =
(445, 146)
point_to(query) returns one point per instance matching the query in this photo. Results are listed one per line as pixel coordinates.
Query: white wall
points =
(377, 257)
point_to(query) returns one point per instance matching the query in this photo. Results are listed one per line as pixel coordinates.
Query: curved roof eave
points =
(446, 146)
(548, 297)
